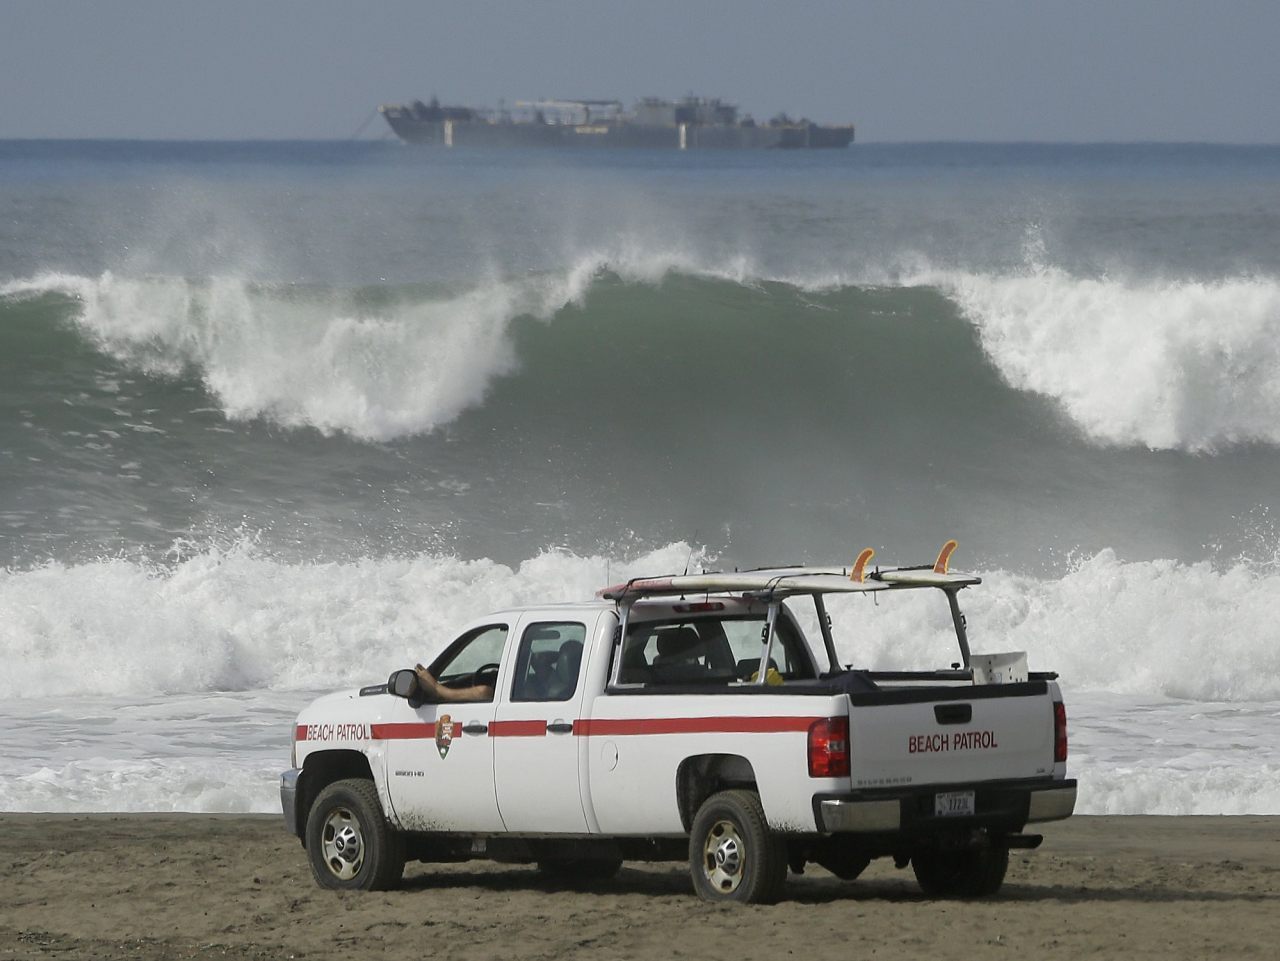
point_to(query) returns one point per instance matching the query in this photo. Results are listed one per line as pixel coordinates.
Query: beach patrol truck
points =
(688, 716)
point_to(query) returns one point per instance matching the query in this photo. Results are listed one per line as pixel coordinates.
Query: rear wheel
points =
(965, 872)
(349, 843)
(733, 856)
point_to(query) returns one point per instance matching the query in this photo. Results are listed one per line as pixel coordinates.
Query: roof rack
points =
(787, 581)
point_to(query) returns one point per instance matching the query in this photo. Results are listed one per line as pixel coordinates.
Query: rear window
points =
(704, 650)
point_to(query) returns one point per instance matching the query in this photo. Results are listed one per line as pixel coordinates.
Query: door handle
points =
(560, 727)
(953, 713)
(475, 727)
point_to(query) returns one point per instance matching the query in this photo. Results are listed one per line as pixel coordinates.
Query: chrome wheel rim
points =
(343, 844)
(723, 857)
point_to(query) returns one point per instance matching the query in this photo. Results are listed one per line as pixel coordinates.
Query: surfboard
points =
(835, 579)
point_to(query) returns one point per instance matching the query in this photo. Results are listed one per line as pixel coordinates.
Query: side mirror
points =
(404, 684)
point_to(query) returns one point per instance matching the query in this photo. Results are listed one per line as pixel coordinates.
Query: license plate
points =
(953, 804)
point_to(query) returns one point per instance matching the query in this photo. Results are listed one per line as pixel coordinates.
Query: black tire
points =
(349, 843)
(733, 856)
(576, 871)
(965, 873)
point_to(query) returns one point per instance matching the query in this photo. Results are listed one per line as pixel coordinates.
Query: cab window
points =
(468, 654)
(548, 661)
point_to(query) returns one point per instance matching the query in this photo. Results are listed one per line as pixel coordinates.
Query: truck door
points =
(535, 747)
(440, 756)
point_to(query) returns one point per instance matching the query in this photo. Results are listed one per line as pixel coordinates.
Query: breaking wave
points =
(1182, 365)
(1186, 365)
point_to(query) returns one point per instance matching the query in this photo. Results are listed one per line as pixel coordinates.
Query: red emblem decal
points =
(446, 731)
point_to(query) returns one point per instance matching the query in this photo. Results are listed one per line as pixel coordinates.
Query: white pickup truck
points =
(687, 717)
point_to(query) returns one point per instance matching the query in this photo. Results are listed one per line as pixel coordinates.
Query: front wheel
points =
(966, 873)
(349, 843)
(733, 856)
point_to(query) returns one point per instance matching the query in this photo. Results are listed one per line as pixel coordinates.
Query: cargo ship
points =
(693, 123)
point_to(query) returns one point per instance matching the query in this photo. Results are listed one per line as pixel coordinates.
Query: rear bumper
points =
(289, 800)
(1052, 804)
(999, 805)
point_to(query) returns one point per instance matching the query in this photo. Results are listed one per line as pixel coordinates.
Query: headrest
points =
(678, 642)
(570, 659)
(543, 661)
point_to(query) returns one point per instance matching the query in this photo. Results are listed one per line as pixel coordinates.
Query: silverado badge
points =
(445, 733)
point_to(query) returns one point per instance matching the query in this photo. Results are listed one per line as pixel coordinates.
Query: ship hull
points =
(456, 133)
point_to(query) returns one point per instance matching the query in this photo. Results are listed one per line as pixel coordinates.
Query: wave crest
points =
(1177, 365)
(1186, 365)
(305, 358)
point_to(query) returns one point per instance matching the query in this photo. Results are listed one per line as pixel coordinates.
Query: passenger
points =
(542, 675)
(564, 679)
(440, 692)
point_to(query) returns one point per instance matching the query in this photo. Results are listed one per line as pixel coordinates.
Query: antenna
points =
(689, 560)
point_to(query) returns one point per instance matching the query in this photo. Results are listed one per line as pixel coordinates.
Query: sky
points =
(1046, 70)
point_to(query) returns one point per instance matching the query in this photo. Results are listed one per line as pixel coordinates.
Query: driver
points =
(441, 692)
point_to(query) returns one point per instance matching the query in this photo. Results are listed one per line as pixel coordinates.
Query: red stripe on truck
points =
(584, 727)
(517, 728)
(408, 731)
(623, 727)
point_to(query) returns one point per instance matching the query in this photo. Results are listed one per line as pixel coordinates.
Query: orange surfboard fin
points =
(944, 558)
(860, 565)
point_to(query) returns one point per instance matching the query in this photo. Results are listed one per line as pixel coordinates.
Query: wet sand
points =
(178, 886)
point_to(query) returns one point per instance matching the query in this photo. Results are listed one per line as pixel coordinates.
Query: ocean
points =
(275, 418)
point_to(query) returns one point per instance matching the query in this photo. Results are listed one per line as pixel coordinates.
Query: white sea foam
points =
(145, 753)
(224, 752)
(1142, 628)
(238, 620)
(1179, 364)
(234, 620)
(136, 687)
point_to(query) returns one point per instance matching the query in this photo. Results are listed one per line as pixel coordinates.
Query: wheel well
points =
(321, 769)
(701, 776)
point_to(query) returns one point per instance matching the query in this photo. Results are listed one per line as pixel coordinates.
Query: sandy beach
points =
(179, 886)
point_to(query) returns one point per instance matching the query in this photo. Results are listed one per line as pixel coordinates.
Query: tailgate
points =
(942, 735)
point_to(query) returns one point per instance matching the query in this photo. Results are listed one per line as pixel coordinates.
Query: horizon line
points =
(872, 142)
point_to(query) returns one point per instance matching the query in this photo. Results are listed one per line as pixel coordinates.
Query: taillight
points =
(829, 747)
(1059, 732)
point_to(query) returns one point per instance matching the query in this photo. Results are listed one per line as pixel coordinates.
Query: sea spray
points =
(174, 688)
(236, 619)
